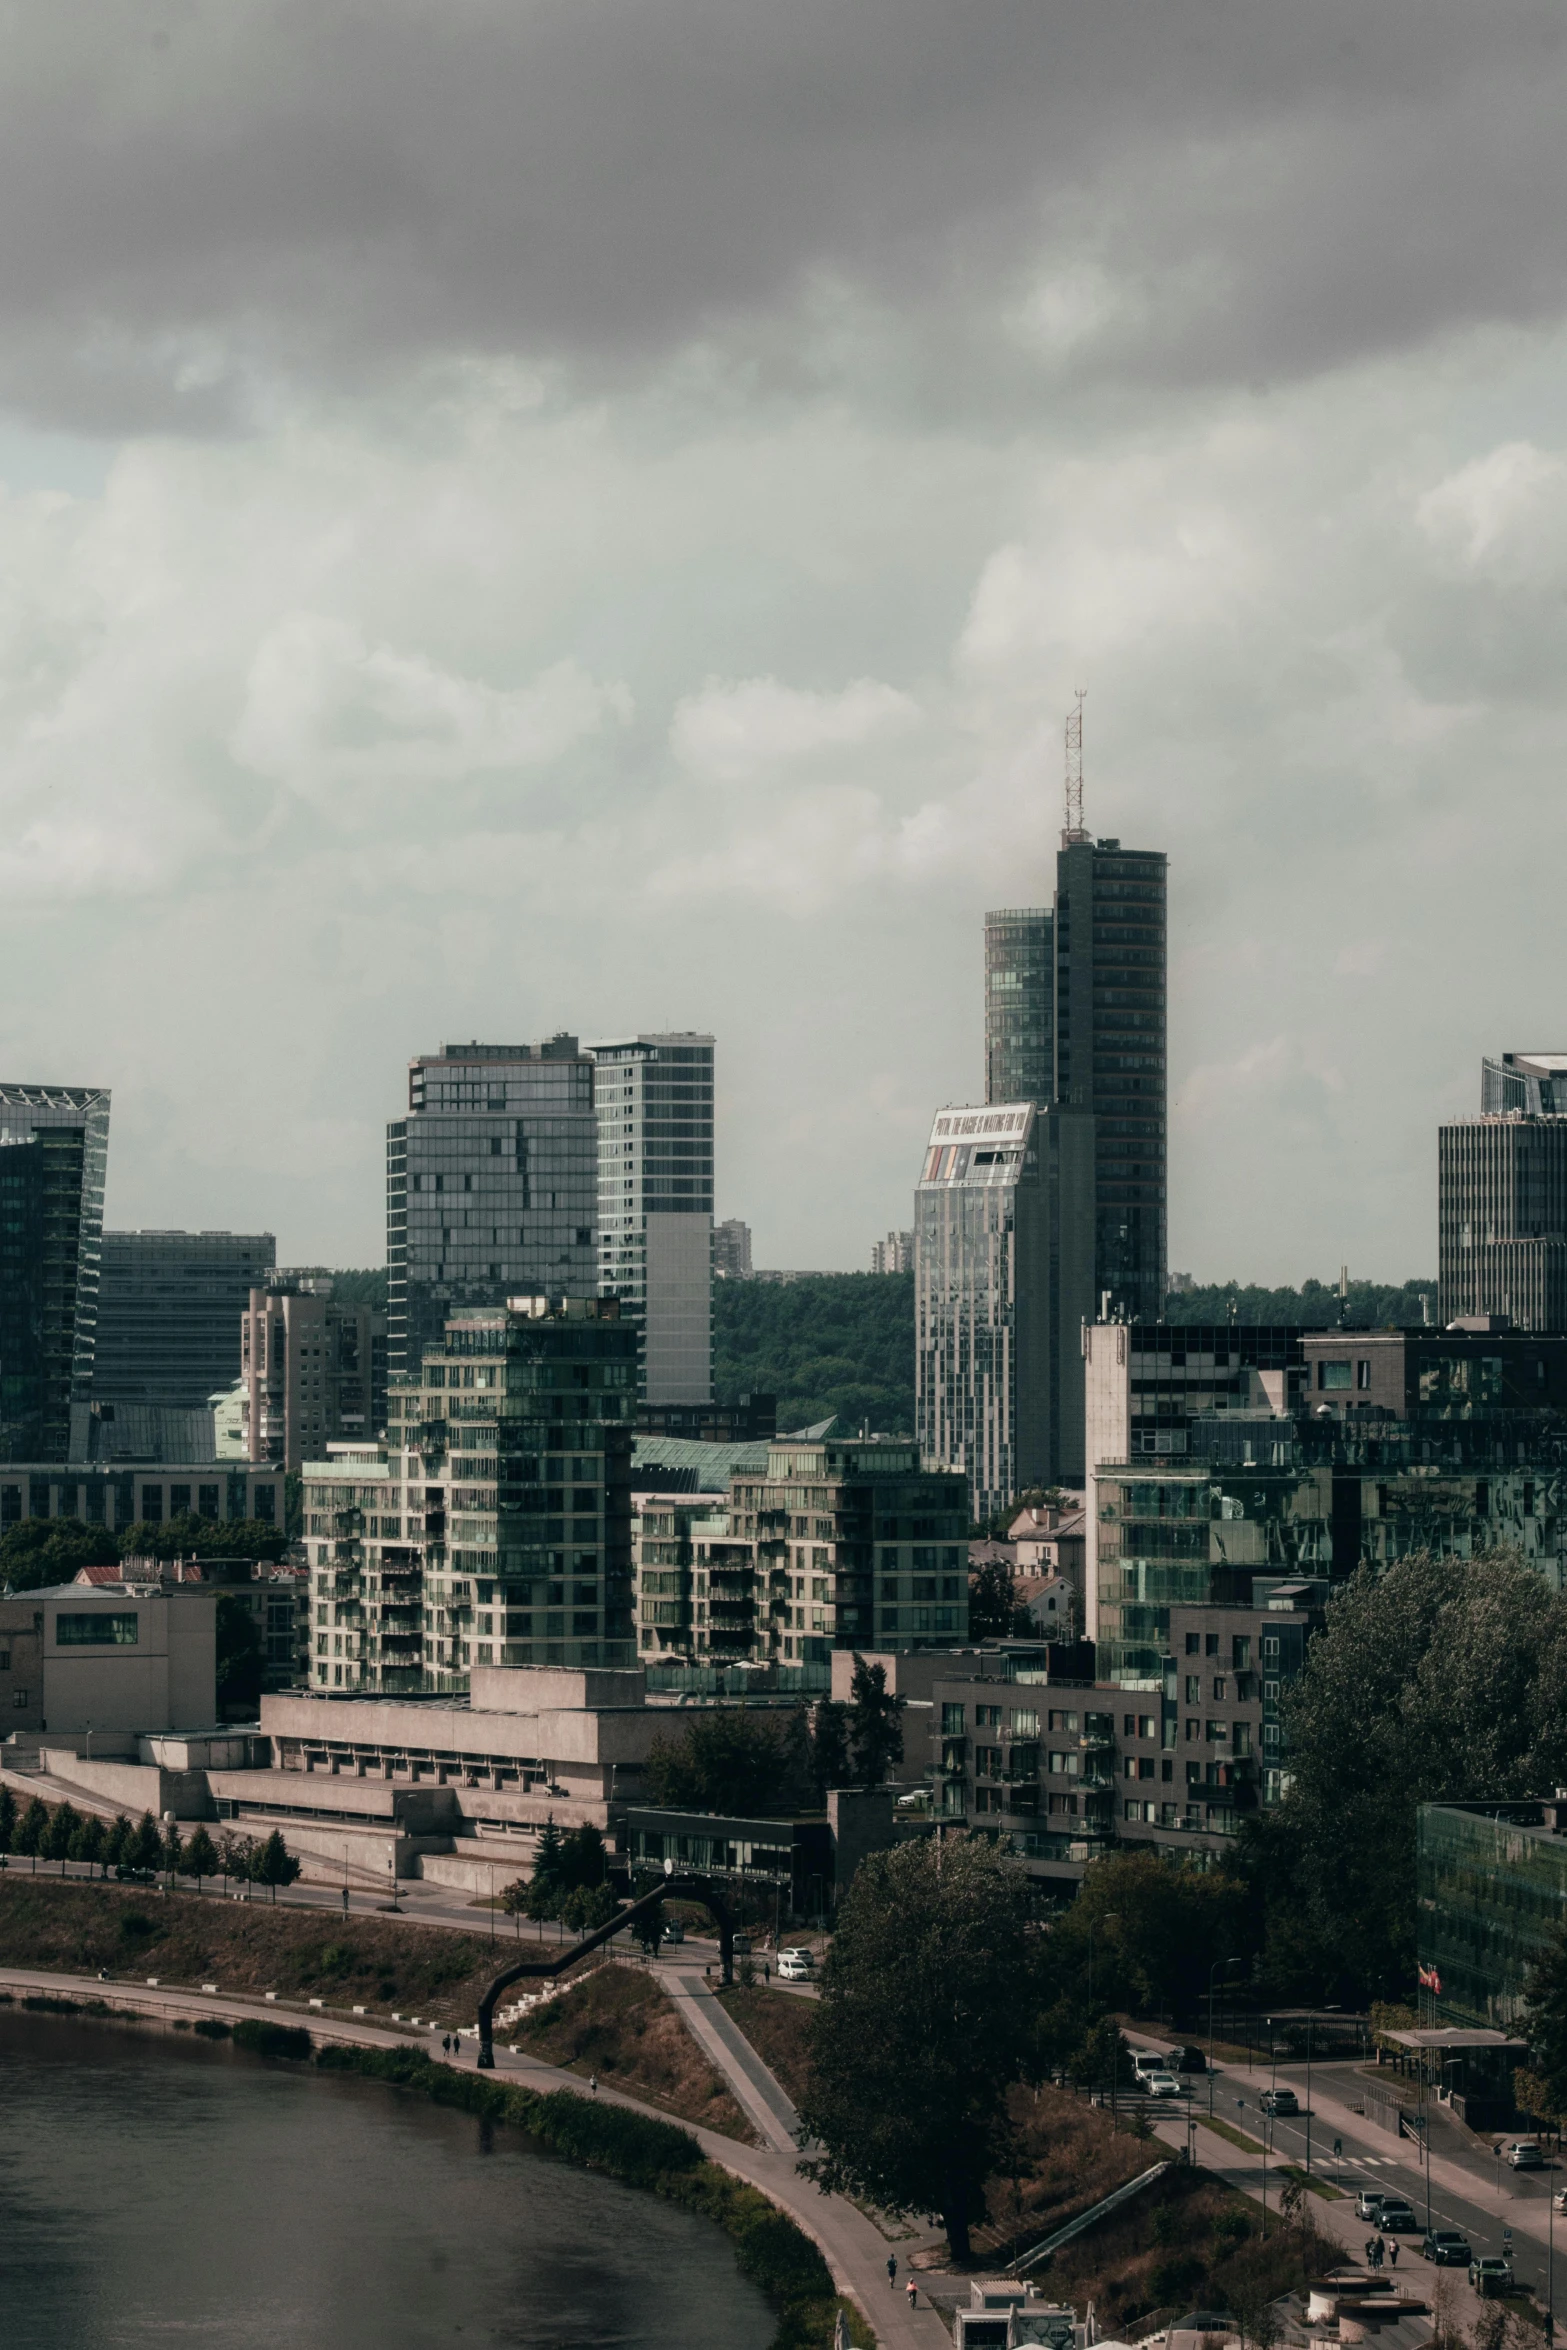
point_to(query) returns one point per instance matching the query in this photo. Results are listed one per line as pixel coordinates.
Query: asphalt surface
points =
(1498, 2209)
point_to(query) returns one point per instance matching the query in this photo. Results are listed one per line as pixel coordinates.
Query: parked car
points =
(1280, 2101)
(800, 1951)
(792, 1968)
(1446, 2248)
(1559, 2199)
(1490, 2274)
(1190, 2060)
(1524, 2154)
(1368, 2203)
(674, 1931)
(1395, 2217)
(1164, 2085)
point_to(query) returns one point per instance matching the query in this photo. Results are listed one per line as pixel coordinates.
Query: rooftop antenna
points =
(1074, 773)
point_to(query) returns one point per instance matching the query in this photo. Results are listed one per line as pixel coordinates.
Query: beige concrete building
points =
(314, 1371)
(113, 1658)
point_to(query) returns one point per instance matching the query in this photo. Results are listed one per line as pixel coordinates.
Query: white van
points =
(1149, 2060)
(795, 1966)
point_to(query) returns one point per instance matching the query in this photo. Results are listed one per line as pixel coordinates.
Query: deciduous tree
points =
(875, 1723)
(721, 1761)
(923, 2025)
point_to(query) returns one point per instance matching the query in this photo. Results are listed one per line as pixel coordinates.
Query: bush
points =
(262, 2039)
(211, 2027)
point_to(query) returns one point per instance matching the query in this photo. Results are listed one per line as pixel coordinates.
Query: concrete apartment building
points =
(1003, 1248)
(169, 1312)
(54, 1153)
(491, 1186)
(118, 1495)
(494, 1527)
(1502, 1220)
(895, 1254)
(731, 1250)
(654, 1098)
(314, 1371)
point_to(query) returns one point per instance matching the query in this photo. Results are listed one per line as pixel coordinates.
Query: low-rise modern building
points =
(108, 1658)
(1491, 1898)
(117, 1495)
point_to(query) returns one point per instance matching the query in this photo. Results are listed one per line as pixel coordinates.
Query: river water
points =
(156, 2189)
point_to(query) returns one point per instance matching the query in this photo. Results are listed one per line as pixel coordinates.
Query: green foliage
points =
(211, 2027)
(1545, 2026)
(33, 1829)
(91, 1842)
(1440, 1678)
(146, 1850)
(586, 1907)
(832, 1345)
(994, 1610)
(923, 2025)
(875, 1721)
(564, 1866)
(1371, 1305)
(1158, 1926)
(274, 1864)
(187, 1536)
(173, 1847)
(120, 1835)
(830, 1765)
(7, 1820)
(64, 1821)
(39, 1551)
(262, 2039)
(241, 1653)
(200, 1857)
(721, 1761)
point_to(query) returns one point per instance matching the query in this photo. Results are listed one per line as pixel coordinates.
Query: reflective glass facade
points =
(169, 1311)
(1492, 1890)
(1020, 1005)
(654, 1097)
(54, 1151)
(491, 1186)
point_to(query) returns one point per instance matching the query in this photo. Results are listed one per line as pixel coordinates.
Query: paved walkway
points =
(720, 2039)
(854, 2249)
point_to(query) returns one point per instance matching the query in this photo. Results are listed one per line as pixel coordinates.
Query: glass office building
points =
(491, 1184)
(1020, 1005)
(54, 1153)
(1491, 1894)
(170, 1306)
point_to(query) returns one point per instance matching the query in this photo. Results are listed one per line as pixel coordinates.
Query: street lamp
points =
(1226, 1963)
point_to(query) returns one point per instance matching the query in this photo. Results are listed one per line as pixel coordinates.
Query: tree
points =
(584, 1858)
(91, 1843)
(1438, 1679)
(241, 1653)
(831, 1345)
(36, 1552)
(514, 1898)
(275, 1864)
(173, 1847)
(64, 1821)
(200, 1857)
(231, 1857)
(648, 1930)
(147, 1845)
(587, 1906)
(187, 1536)
(33, 1832)
(547, 1885)
(875, 1723)
(830, 1766)
(994, 1610)
(1148, 1930)
(1545, 2024)
(721, 1761)
(7, 1820)
(117, 1850)
(923, 2025)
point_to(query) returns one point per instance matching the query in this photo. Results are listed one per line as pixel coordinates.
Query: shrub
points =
(211, 2027)
(262, 2039)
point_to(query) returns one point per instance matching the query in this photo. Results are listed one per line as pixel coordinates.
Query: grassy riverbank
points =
(74, 1927)
(618, 2024)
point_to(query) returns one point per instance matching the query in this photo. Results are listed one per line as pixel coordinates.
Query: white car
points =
(794, 1966)
(1162, 2085)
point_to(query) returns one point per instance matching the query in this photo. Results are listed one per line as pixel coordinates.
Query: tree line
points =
(36, 1552)
(140, 1848)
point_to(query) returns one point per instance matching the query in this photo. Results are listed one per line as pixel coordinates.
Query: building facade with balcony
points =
(494, 1528)
(313, 1369)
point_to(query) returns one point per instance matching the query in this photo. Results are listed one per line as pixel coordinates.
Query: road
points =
(1499, 2210)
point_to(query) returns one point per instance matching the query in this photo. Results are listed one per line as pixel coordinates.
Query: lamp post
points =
(1110, 1918)
(1212, 1972)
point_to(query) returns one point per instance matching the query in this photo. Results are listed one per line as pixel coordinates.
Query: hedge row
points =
(773, 2253)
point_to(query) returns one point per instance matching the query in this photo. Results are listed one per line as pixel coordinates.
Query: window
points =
(1270, 1693)
(1167, 1771)
(1333, 1375)
(97, 1631)
(987, 1717)
(1193, 1729)
(1194, 1688)
(1362, 1373)
(1270, 1647)
(1240, 1652)
(1270, 1734)
(1145, 1766)
(1147, 1727)
(1220, 1691)
(1025, 1725)
(1129, 1725)
(1218, 1733)
(1194, 1644)
(1210, 1646)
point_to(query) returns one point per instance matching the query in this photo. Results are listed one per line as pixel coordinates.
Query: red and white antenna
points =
(1074, 772)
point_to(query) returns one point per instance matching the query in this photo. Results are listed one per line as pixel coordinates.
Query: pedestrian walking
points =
(913, 2293)
(892, 2269)
(1392, 2253)
(1371, 2253)
(767, 1972)
(593, 2083)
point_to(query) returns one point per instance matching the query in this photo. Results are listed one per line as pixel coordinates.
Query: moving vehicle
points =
(1490, 2274)
(1524, 2154)
(1368, 2203)
(1395, 2217)
(674, 1931)
(792, 1968)
(1149, 2060)
(1164, 2085)
(1190, 2060)
(1446, 2248)
(800, 1951)
(1280, 2101)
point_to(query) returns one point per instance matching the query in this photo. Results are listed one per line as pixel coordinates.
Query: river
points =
(160, 2189)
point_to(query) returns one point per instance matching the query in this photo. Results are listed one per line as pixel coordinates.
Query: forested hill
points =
(1371, 1305)
(840, 1343)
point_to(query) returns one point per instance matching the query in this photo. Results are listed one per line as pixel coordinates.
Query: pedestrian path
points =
(760, 2094)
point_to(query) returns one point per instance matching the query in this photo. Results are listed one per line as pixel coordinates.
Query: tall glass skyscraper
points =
(491, 1184)
(655, 1203)
(169, 1311)
(54, 1155)
(1110, 1056)
(1020, 1005)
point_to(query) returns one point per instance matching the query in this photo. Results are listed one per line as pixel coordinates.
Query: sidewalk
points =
(761, 2096)
(854, 2249)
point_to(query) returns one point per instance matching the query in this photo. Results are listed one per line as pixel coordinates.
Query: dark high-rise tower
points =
(54, 1150)
(1020, 1005)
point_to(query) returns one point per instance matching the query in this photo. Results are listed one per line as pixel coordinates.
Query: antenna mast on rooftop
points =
(1074, 773)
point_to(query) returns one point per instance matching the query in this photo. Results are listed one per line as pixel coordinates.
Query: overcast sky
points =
(590, 514)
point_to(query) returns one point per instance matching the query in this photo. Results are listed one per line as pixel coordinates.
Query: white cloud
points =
(734, 732)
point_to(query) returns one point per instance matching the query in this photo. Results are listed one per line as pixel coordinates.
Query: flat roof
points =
(1453, 2037)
